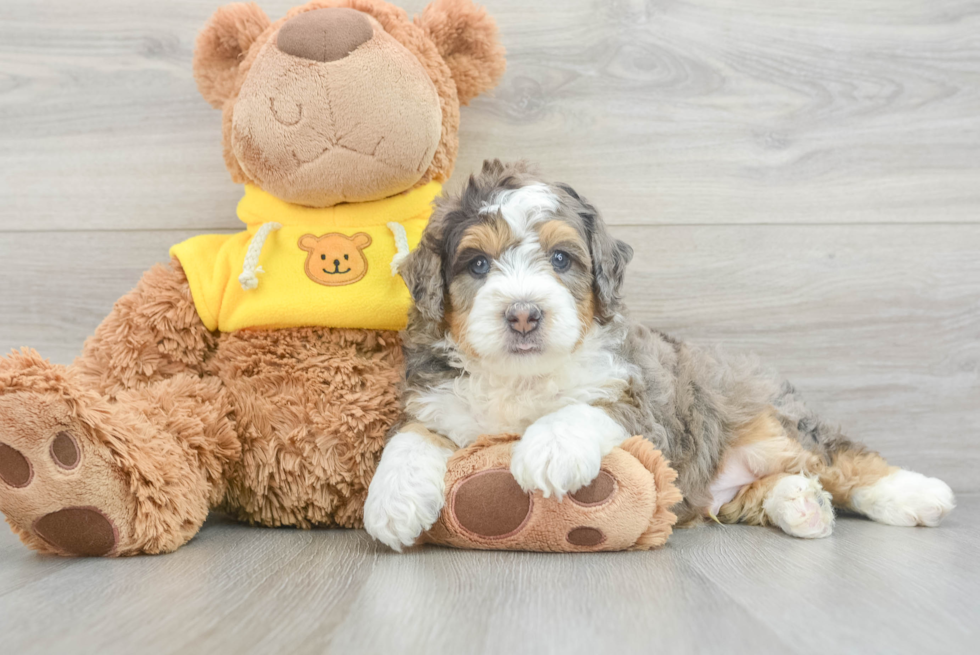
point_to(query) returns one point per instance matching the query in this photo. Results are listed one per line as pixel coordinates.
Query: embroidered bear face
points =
(335, 259)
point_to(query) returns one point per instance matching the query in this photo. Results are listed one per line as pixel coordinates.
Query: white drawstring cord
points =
(248, 278)
(401, 243)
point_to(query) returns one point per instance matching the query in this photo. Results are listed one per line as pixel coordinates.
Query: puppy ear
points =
(467, 40)
(222, 45)
(422, 272)
(610, 257)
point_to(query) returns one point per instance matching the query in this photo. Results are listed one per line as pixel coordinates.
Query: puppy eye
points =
(480, 266)
(560, 260)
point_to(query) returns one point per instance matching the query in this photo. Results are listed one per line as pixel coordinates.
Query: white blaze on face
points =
(524, 208)
(523, 274)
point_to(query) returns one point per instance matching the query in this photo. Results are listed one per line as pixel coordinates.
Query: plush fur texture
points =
(451, 37)
(153, 463)
(519, 326)
(631, 513)
(222, 44)
(275, 427)
(467, 41)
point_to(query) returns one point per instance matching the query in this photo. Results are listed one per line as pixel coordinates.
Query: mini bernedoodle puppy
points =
(519, 327)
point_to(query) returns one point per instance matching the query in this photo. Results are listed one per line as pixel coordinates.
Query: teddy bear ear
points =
(467, 40)
(222, 45)
(361, 240)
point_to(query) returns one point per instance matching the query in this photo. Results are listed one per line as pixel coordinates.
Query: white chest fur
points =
(478, 402)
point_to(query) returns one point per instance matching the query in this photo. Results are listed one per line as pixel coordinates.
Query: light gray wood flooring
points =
(800, 179)
(869, 588)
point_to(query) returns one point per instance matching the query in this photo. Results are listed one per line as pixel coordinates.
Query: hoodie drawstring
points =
(401, 244)
(248, 278)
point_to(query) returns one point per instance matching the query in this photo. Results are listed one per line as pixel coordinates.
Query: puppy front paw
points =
(562, 452)
(407, 492)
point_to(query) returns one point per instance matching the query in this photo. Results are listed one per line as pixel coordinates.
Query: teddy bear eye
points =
(346, 256)
(323, 256)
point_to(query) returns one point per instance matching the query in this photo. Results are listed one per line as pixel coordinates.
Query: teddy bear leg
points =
(153, 333)
(627, 507)
(83, 476)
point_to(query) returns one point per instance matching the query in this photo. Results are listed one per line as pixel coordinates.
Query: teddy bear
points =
(258, 373)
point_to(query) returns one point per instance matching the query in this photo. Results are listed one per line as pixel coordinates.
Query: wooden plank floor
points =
(868, 588)
(799, 179)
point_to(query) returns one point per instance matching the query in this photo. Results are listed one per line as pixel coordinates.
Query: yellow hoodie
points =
(301, 267)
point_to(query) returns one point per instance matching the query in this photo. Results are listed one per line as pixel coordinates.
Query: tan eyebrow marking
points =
(556, 233)
(492, 238)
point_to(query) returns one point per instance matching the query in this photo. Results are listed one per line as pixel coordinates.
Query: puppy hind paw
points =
(905, 498)
(800, 507)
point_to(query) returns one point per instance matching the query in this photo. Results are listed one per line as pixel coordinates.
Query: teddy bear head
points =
(344, 100)
(335, 259)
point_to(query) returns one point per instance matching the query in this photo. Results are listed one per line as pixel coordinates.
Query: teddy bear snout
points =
(325, 35)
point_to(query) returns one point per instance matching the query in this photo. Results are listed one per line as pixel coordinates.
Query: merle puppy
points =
(519, 327)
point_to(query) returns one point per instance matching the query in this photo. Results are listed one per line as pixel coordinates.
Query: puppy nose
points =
(523, 317)
(325, 34)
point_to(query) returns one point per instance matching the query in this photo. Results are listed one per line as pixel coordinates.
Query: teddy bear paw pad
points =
(597, 492)
(585, 536)
(65, 452)
(491, 504)
(59, 487)
(15, 469)
(81, 531)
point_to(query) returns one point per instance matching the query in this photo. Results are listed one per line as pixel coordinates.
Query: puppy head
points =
(515, 271)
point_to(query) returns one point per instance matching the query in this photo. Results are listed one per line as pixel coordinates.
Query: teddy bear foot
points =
(59, 488)
(627, 507)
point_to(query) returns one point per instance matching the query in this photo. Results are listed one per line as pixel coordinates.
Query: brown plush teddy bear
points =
(258, 373)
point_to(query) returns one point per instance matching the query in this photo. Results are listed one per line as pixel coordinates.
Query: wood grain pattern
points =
(666, 112)
(730, 589)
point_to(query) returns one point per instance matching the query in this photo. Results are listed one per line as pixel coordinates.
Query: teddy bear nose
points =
(325, 34)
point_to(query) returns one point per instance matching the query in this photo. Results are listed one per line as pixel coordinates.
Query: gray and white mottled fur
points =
(579, 376)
